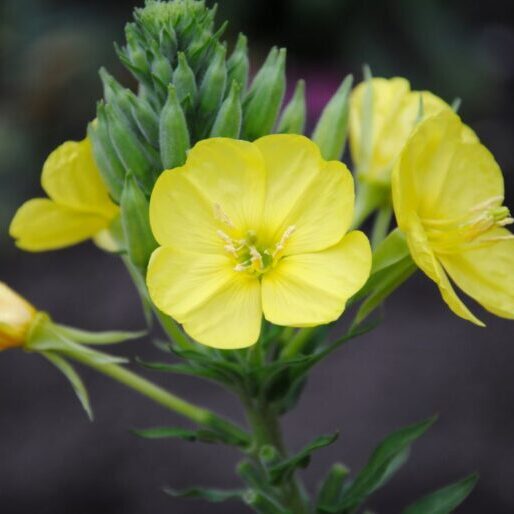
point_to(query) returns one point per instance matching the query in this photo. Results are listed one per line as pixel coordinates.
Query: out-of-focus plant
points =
(236, 226)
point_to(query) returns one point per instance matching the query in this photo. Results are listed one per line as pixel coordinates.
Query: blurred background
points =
(422, 359)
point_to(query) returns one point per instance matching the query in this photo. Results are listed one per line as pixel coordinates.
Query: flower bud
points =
(262, 104)
(146, 119)
(138, 236)
(229, 118)
(332, 128)
(184, 80)
(238, 64)
(16, 318)
(173, 132)
(295, 113)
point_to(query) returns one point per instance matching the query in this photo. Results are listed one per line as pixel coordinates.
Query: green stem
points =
(173, 330)
(298, 342)
(198, 415)
(266, 431)
(381, 225)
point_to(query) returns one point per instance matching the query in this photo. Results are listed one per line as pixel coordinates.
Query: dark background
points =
(422, 360)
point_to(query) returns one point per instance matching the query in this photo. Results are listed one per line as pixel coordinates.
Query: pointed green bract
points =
(294, 117)
(229, 118)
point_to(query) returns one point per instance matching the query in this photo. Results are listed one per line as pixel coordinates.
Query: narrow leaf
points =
(210, 495)
(445, 500)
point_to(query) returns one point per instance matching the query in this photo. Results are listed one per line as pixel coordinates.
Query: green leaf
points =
(445, 500)
(109, 337)
(264, 504)
(332, 487)
(285, 469)
(210, 495)
(388, 457)
(204, 436)
(76, 382)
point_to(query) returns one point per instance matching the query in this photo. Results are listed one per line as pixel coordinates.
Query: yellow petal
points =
(229, 174)
(217, 306)
(425, 258)
(181, 216)
(440, 175)
(71, 178)
(304, 191)
(312, 289)
(41, 224)
(486, 273)
(395, 113)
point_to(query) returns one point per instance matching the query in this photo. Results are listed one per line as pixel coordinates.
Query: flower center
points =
(250, 255)
(463, 232)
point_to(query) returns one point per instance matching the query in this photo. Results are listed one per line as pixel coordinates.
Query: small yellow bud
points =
(16, 317)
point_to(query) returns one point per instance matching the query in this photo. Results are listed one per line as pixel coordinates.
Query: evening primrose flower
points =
(254, 228)
(16, 318)
(78, 207)
(383, 113)
(448, 192)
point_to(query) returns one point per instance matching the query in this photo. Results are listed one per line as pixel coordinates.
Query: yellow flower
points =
(253, 228)
(78, 207)
(448, 193)
(16, 317)
(395, 110)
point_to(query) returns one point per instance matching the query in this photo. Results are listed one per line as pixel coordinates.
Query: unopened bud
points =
(229, 118)
(16, 318)
(238, 65)
(295, 113)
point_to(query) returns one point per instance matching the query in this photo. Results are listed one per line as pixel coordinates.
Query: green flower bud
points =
(168, 43)
(262, 104)
(130, 151)
(146, 119)
(109, 165)
(135, 51)
(174, 137)
(184, 80)
(238, 65)
(332, 127)
(293, 118)
(212, 91)
(229, 118)
(332, 487)
(135, 220)
(161, 69)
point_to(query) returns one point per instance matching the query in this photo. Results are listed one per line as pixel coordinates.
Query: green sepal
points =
(138, 236)
(174, 136)
(110, 167)
(332, 127)
(262, 103)
(264, 504)
(445, 500)
(294, 117)
(230, 116)
(130, 150)
(385, 461)
(238, 64)
(284, 470)
(331, 488)
(99, 338)
(73, 378)
(192, 436)
(209, 495)
(184, 80)
(392, 266)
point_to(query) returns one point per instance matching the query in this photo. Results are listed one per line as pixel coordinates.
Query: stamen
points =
(283, 240)
(222, 216)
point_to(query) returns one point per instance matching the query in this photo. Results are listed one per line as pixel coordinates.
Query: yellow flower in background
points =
(395, 110)
(16, 317)
(252, 228)
(448, 193)
(78, 207)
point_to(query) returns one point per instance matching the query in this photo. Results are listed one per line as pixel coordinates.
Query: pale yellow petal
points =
(181, 216)
(487, 273)
(41, 224)
(71, 178)
(179, 281)
(230, 175)
(312, 289)
(440, 175)
(314, 196)
(425, 258)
